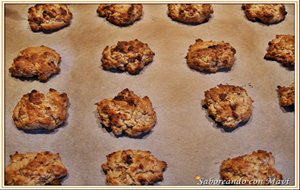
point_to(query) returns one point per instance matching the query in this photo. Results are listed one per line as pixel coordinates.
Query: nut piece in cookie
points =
(190, 13)
(258, 168)
(37, 110)
(35, 168)
(127, 113)
(49, 17)
(131, 56)
(265, 13)
(41, 62)
(228, 105)
(210, 56)
(282, 50)
(121, 14)
(286, 95)
(133, 167)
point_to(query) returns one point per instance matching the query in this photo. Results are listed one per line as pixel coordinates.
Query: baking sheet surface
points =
(184, 136)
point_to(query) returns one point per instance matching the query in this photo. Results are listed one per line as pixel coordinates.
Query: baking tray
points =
(184, 136)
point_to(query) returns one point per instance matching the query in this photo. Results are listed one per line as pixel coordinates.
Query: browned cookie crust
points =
(38, 110)
(265, 13)
(190, 13)
(131, 56)
(127, 113)
(259, 165)
(41, 62)
(43, 168)
(282, 50)
(228, 104)
(49, 17)
(121, 14)
(133, 167)
(210, 56)
(286, 95)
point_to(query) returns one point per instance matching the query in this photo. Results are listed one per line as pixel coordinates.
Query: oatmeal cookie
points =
(38, 110)
(41, 62)
(228, 104)
(258, 166)
(121, 14)
(131, 56)
(190, 13)
(49, 17)
(265, 13)
(127, 113)
(210, 56)
(282, 50)
(35, 168)
(133, 167)
(286, 95)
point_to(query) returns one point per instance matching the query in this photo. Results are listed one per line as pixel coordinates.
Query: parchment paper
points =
(184, 136)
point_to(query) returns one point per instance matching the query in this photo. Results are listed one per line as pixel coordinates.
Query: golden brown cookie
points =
(265, 13)
(210, 56)
(127, 113)
(259, 166)
(121, 14)
(190, 13)
(133, 167)
(286, 95)
(49, 17)
(282, 50)
(37, 110)
(228, 104)
(41, 62)
(131, 56)
(35, 168)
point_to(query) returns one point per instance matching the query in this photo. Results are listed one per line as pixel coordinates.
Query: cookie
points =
(35, 168)
(49, 17)
(121, 14)
(131, 56)
(133, 167)
(257, 168)
(190, 13)
(210, 56)
(127, 113)
(36, 62)
(228, 104)
(265, 13)
(286, 95)
(282, 50)
(37, 110)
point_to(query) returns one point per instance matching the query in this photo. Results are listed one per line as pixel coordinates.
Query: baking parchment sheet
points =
(184, 136)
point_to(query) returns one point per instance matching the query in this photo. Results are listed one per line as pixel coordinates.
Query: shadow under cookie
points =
(34, 78)
(287, 109)
(43, 130)
(222, 70)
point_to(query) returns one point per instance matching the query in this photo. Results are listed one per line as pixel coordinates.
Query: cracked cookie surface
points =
(265, 13)
(282, 50)
(190, 13)
(49, 17)
(259, 165)
(121, 14)
(133, 167)
(286, 95)
(41, 62)
(37, 110)
(131, 56)
(228, 105)
(35, 168)
(210, 56)
(127, 113)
